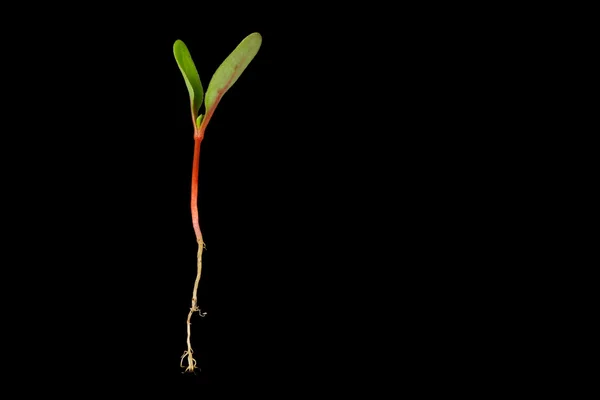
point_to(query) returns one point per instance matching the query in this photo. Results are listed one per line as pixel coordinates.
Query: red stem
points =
(198, 136)
(194, 203)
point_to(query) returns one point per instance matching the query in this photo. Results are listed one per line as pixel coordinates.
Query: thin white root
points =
(191, 362)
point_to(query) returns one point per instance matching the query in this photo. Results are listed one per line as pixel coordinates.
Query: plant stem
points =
(191, 363)
(194, 202)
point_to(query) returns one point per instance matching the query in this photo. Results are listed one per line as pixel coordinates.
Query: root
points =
(191, 362)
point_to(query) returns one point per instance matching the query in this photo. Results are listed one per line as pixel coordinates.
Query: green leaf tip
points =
(190, 75)
(199, 120)
(230, 70)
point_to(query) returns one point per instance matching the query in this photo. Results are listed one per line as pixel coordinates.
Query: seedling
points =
(223, 78)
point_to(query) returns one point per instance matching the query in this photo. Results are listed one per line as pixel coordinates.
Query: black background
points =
(333, 183)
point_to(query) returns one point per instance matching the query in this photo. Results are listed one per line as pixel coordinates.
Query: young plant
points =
(223, 78)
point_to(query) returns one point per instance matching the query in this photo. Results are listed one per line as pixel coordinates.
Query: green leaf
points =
(230, 70)
(190, 74)
(199, 120)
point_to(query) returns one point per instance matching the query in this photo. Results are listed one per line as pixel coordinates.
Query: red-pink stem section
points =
(194, 203)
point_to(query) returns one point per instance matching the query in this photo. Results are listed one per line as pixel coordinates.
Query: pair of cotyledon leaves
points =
(224, 77)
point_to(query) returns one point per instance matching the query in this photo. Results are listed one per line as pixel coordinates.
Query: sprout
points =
(223, 78)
